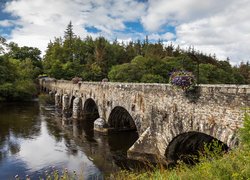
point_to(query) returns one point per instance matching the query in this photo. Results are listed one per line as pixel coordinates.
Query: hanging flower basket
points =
(184, 80)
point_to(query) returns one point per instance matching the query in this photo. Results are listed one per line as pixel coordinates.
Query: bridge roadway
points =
(160, 113)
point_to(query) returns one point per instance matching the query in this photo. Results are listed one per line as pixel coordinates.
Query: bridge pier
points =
(77, 107)
(145, 149)
(58, 102)
(101, 126)
(76, 130)
(66, 106)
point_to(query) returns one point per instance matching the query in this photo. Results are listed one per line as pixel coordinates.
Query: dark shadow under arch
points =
(122, 123)
(121, 119)
(187, 147)
(72, 102)
(90, 110)
(45, 90)
(90, 114)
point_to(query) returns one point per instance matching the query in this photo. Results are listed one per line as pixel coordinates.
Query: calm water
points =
(33, 139)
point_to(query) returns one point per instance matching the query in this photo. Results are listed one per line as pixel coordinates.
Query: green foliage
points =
(141, 69)
(17, 75)
(152, 78)
(6, 90)
(212, 151)
(93, 72)
(245, 131)
(140, 61)
(212, 74)
(24, 90)
(23, 53)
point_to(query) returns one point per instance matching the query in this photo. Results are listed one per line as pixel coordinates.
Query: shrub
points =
(245, 131)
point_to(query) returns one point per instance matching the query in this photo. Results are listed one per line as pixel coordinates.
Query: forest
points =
(95, 59)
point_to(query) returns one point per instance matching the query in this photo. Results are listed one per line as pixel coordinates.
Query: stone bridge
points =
(159, 112)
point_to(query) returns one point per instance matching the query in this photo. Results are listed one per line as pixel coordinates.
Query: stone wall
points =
(161, 112)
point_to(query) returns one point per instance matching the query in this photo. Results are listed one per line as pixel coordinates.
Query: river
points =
(34, 140)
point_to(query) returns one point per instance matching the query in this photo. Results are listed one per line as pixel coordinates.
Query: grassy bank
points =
(233, 165)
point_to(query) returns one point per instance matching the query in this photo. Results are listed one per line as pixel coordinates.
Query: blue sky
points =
(211, 26)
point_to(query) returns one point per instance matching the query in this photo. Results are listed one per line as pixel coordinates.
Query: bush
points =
(152, 78)
(245, 131)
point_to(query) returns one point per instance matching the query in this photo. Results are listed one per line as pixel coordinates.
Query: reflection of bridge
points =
(158, 111)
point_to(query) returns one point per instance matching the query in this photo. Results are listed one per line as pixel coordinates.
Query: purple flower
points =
(182, 79)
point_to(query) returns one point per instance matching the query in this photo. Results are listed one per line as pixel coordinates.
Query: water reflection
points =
(15, 122)
(33, 137)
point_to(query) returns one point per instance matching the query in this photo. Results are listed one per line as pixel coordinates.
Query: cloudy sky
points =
(212, 26)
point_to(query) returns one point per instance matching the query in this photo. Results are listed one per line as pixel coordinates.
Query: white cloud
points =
(39, 21)
(6, 23)
(211, 26)
(162, 12)
(166, 36)
(220, 27)
(225, 33)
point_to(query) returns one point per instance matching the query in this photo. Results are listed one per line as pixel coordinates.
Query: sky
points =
(212, 26)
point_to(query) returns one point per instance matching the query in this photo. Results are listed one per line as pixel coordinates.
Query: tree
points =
(141, 69)
(138, 61)
(16, 79)
(24, 53)
(3, 44)
(244, 70)
(69, 42)
(69, 34)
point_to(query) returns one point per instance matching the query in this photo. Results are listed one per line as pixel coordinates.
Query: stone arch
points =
(120, 119)
(176, 127)
(71, 102)
(45, 90)
(90, 114)
(90, 110)
(186, 147)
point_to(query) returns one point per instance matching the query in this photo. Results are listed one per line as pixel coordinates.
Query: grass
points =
(233, 165)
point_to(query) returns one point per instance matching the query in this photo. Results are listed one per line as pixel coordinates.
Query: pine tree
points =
(69, 38)
(69, 34)
(2, 44)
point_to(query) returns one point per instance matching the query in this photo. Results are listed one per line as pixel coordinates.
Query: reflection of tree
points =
(17, 120)
(53, 130)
